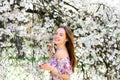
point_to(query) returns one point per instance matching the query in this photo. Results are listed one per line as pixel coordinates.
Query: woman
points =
(62, 63)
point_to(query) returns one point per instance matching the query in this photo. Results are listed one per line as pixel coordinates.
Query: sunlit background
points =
(27, 26)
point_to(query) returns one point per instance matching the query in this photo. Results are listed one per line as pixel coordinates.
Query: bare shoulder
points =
(61, 54)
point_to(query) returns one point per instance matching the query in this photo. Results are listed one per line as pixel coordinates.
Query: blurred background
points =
(26, 27)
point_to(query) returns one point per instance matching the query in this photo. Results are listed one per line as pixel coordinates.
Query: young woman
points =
(62, 63)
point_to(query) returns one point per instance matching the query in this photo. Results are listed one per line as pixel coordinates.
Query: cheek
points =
(63, 39)
(55, 36)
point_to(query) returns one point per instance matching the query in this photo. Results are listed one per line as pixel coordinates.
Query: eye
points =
(61, 34)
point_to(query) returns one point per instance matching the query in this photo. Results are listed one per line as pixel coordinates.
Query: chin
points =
(56, 43)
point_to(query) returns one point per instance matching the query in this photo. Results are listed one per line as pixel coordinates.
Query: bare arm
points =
(50, 54)
(63, 76)
(50, 50)
(54, 71)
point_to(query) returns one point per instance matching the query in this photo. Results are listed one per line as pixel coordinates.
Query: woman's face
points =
(60, 36)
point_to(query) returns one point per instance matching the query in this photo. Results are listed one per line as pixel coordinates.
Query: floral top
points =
(62, 65)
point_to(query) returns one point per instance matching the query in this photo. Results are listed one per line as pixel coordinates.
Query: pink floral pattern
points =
(62, 65)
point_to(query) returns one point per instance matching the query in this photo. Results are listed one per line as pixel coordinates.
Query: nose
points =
(55, 35)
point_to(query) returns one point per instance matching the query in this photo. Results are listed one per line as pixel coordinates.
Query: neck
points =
(61, 47)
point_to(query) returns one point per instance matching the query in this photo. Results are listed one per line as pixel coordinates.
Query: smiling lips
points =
(56, 40)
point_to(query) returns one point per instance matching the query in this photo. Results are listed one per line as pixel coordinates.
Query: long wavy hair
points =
(70, 46)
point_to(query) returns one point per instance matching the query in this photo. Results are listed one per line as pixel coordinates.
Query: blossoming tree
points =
(26, 27)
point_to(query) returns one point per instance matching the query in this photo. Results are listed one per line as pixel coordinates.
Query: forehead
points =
(60, 30)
